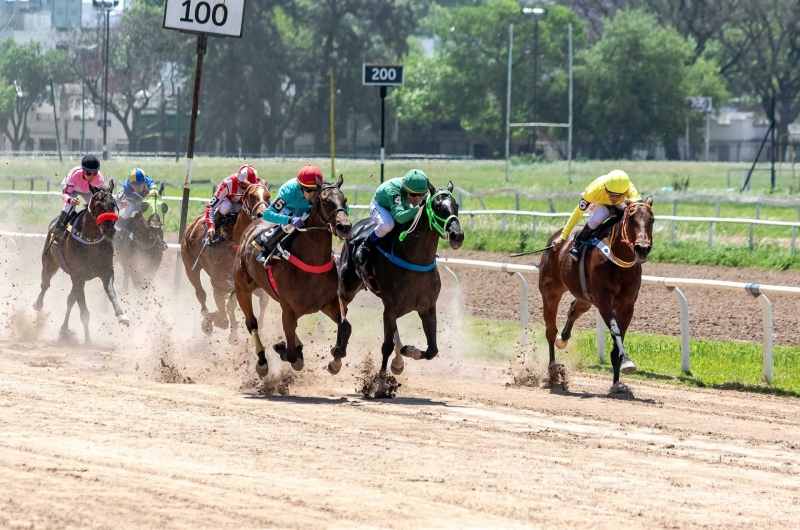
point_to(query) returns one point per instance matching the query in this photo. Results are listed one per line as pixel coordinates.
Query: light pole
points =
(536, 10)
(83, 50)
(107, 6)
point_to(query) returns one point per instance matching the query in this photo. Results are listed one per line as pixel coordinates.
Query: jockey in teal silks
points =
(396, 201)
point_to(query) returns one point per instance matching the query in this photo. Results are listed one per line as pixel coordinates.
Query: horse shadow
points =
(606, 395)
(351, 399)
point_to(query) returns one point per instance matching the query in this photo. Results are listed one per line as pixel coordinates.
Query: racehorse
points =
(85, 252)
(217, 261)
(140, 247)
(610, 280)
(405, 277)
(303, 282)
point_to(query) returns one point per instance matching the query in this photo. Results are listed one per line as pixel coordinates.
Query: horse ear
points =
(340, 181)
(145, 207)
(161, 189)
(93, 189)
(649, 200)
(318, 182)
(450, 186)
(431, 188)
(111, 187)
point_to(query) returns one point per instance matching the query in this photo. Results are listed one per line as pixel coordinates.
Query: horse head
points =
(637, 228)
(155, 222)
(103, 208)
(256, 200)
(330, 205)
(442, 210)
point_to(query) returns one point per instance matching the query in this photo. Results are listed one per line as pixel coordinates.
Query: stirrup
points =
(575, 251)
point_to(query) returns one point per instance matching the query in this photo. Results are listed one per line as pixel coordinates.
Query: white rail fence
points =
(792, 226)
(673, 285)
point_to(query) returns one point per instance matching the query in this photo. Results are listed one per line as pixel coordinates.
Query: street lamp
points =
(536, 9)
(107, 6)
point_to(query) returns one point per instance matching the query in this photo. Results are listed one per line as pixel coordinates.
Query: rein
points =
(435, 222)
(606, 250)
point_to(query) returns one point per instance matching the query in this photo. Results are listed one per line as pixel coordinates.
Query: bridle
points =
(625, 219)
(316, 208)
(250, 212)
(105, 216)
(435, 222)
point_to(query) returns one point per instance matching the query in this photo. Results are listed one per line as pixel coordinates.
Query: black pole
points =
(83, 116)
(55, 117)
(105, 94)
(178, 125)
(202, 44)
(746, 184)
(535, 76)
(772, 178)
(383, 127)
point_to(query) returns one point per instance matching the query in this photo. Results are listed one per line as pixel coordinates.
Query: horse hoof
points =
(122, 319)
(262, 369)
(206, 326)
(334, 366)
(561, 343)
(411, 351)
(280, 348)
(298, 364)
(233, 338)
(396, 370)
(37, 306)
(627, 367)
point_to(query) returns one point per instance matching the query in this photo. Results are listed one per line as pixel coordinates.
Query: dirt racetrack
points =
(157, 425)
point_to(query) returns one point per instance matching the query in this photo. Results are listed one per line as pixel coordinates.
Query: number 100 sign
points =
(383, 74)
(223, 18)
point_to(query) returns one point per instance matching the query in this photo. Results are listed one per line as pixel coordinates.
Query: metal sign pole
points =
(333, 126)
(383, 130)
(202, 45)
(55, 117)
(508, 96)
(105, 92)
(569, 134)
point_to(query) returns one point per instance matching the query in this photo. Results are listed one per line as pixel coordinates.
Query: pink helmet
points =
(247, 174)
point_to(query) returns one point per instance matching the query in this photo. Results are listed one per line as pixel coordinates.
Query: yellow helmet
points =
(617, 182)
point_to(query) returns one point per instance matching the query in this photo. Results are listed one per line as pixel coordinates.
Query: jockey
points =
(605, 197)
(76, 184)
(229, 196)
(289, 208)
(396, 201)
(132, 194)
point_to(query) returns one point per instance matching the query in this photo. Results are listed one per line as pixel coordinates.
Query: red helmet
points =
(247, 174)
(308, 176)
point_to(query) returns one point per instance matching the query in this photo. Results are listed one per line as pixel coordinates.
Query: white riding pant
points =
(600, 213)
(225, 207)
(129, 209)
(384, 222)
(86, 197)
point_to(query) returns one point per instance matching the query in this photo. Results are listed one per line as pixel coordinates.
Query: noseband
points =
(248, 211)
(628, 214)
(327, 220)
(436, 223)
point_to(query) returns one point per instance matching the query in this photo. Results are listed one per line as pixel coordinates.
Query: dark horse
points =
(401, 288)
(303, 282)
(613, 275)
(140, 247)
(85, 252)
(217, 261)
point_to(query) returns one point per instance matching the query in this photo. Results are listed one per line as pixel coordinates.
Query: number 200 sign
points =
(223, 18)
(383, 74)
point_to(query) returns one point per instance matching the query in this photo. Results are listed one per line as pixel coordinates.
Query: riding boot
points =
(61, 227)
(268, 240)
(363, 251)
(580, 240)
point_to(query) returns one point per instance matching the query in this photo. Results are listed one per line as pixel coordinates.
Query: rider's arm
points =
(399, 213)
(211, 209)
(273, 213)
(574, 218)
(66, 192)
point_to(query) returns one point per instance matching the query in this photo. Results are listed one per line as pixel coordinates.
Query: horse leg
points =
(71, 298)
(290, 350)
(231, 308)
(576, 309)
(389, 328)
(624, 363)
(108, 285)
(200, 293)
(244, 294)
(220, 292)
(429, 327)
(343, 330)
(80, 296)
(263, 300)
(550, 301)
(619, 357)
(49, 268)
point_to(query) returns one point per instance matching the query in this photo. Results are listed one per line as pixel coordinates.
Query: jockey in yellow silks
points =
(604, 197)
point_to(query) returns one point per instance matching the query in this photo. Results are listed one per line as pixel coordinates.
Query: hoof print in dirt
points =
(558, 378)
(620, 391)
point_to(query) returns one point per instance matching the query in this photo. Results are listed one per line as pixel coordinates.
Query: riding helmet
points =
(247, 174)
(308, 176)
(90, 163)
(416, 181)
(617, 182)
(136, 176)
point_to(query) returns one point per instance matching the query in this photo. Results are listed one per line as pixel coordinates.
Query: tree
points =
(138, 54)
(631, 86)
(25, 70)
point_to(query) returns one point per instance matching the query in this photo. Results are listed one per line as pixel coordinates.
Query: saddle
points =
(358, 235)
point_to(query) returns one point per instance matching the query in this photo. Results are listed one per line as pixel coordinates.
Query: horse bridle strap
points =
(250, 212)
(326, 221)
(433, 219)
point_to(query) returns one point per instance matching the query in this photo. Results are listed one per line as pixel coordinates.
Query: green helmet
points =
(416, 181)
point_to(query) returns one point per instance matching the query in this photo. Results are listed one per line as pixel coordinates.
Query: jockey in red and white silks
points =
(229, 196)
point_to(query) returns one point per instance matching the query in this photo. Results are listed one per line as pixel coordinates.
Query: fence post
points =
(472, 222)
(524, 318)
(31, 194)
(355, 197)
(710, 234)
(685, 365)
(552, 206)
(516, 199)
(767, 307)
(794, 239)
(674, 223)
(502, 223)
(48, 189)
(601, 339)
(758, 216)
(533, 225)
(718, 207)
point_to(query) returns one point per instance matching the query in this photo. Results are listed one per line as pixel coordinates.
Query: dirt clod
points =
(277, 384)
(558, 377)
(371, 384)
(620, 391)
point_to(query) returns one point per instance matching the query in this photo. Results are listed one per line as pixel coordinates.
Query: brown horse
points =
(140, 246)
(305, 281)
(217, 261)
(613, 275)
(85, 252)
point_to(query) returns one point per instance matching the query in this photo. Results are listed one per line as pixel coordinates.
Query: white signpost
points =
(382, 75)
(220, 18)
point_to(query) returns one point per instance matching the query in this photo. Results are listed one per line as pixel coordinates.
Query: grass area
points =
(716, 364)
